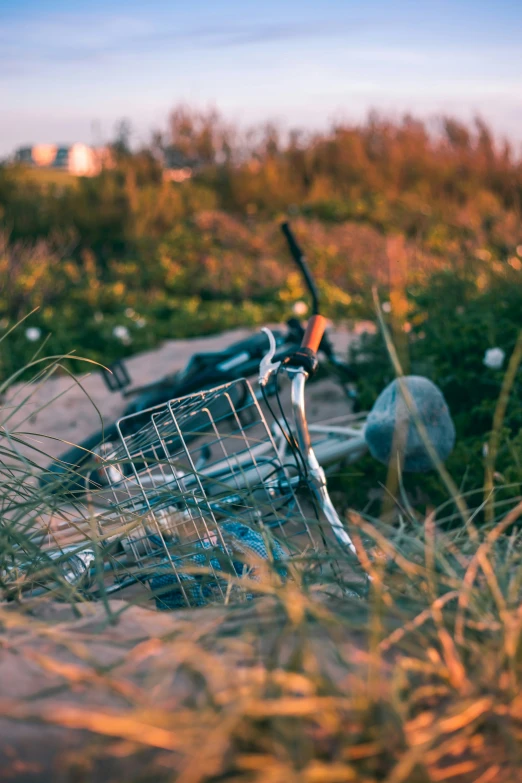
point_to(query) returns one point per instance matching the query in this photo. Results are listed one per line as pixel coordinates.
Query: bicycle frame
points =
(316, 471)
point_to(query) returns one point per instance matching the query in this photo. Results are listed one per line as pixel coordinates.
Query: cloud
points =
(224, 36)
(64, 40)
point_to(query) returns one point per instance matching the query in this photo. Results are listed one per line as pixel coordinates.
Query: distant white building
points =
(78, 159)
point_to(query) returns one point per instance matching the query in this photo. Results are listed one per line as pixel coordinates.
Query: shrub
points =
(452, 321)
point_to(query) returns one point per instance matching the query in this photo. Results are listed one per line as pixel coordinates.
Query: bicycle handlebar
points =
(314, 333)
(300, 260)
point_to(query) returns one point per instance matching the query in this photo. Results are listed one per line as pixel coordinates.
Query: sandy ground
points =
(80, 696)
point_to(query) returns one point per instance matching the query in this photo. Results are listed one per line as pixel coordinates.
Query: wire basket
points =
(205, 497)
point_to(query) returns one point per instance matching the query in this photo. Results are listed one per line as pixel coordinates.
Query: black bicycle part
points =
(300, 260)
(116, 377)
(70, 472)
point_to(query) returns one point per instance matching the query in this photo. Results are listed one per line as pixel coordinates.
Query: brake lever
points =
(267, 366)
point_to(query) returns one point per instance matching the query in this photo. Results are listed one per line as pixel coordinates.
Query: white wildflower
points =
(122, 333)
(386, 307)
(494, 358)
(33, 333)
(129, 312)
(300, 308)
(141, 322)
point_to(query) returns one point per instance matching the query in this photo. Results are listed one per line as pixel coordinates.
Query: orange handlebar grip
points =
(314, 333)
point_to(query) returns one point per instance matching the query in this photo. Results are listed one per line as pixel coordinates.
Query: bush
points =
(451, 322)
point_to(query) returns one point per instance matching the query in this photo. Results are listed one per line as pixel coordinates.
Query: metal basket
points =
(205, 497)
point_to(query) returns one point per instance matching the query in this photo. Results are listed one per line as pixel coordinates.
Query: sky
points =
(69, 71)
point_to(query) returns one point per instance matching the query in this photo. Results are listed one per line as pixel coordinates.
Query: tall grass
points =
(418, 681)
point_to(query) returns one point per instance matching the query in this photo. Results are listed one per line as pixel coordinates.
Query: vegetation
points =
(118, 262)
(420, 682)
(129, 247)
(450, 324)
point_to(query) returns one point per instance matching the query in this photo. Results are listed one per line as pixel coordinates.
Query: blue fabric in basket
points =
(199, 590)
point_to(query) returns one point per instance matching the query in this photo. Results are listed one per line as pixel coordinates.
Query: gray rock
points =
(391, 429)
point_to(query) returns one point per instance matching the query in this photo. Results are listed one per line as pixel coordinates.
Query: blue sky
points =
(70, 70)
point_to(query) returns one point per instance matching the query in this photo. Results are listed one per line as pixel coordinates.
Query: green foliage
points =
(452, 322)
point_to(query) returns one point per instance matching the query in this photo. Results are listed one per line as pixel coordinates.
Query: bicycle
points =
(212, 494)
